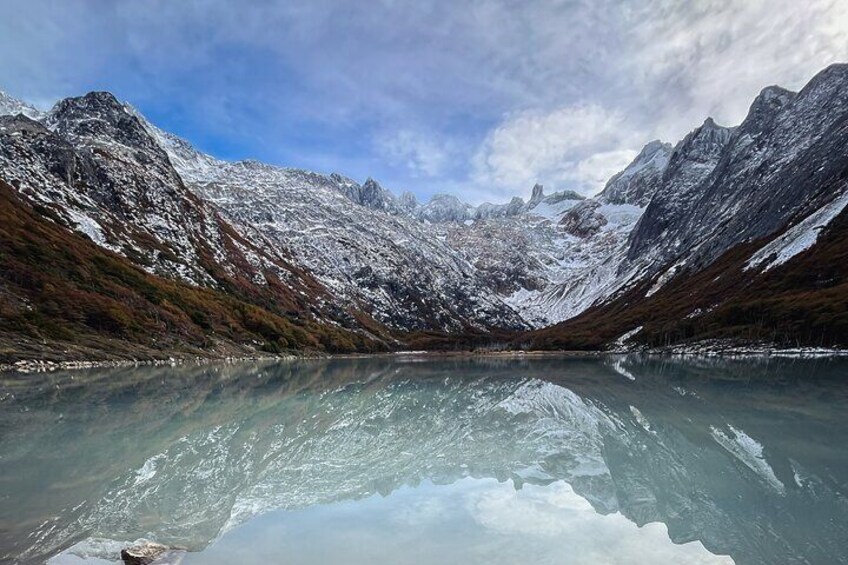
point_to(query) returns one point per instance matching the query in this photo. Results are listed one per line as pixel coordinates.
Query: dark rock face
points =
(638, 183)
(371, 195)
(99, 116)
(692, 160)
(538, 193)
(24, 142)
(726, 186)
(583, 220)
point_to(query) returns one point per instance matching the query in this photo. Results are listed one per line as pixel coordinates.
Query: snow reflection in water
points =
(549, 460)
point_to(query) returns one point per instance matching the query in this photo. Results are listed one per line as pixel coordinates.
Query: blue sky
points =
(480, 98)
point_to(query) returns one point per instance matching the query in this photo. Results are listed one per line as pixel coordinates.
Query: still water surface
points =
(413, 461)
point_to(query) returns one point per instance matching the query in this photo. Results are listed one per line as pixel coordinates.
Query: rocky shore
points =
(38, 366)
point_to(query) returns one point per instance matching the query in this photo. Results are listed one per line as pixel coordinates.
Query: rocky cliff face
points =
(386, 264)
(638, 183)
(689, 164)
(724, 187)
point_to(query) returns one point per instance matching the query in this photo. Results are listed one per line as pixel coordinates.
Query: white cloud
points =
(576, 147)
(419, 153)
(712, 57)
(656, 69)
(557, 513)
(596, 170)
(520, 83)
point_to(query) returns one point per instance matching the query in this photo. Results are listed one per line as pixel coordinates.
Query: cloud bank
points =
(484, 97)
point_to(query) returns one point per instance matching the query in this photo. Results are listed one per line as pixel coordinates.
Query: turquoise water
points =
(408, 460)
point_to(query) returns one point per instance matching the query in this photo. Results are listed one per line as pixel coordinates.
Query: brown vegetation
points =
(801, 303)
(59, 289)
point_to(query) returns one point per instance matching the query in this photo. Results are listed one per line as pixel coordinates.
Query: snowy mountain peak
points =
(710, 133)
(638, 182)
(408, 201)
(370, 194)
(652, 150)
(98, 118)
(701, 145)
(13, 106)
(446, 208)
(764, 108)
(102, 105)
(775, 93)
(374, 196)
(538, 193)
(826, 78)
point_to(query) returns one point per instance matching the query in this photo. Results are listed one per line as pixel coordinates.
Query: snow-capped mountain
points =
(744, 237)
(97, 169)
(638, 183)
(442, 265)
(12, 107)
(359, 255)
(391, 266)
(726, 186)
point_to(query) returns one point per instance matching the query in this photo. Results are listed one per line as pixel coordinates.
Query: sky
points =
(478, 98)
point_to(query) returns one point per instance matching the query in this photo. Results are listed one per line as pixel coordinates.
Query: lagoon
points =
(419, 460)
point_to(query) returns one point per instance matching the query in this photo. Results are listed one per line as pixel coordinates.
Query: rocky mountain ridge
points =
(340, 252)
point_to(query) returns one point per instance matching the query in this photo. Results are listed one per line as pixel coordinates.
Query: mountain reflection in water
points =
(747, 458)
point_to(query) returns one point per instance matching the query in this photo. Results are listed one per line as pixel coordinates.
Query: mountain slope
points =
(752, 250)
(745, 238)
(790, 289)
(64, 297)
(95, 165)
(783, 162)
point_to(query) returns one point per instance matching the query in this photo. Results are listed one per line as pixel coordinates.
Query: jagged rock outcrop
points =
(638, 183)
(689, 164)
(445, 208)
(373, 259)
(584, 220)
(370, 194)
(537, 195)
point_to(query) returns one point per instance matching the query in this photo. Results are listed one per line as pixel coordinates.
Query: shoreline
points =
(691, 351)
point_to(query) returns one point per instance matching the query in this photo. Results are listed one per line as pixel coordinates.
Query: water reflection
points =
(746, 458)
(468, 521)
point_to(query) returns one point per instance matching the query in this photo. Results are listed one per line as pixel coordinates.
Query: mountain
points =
(638, 183)
(93, 166)
(745, 236)
(64, 297)
(96, 166)
(746, 204)
(442, 266)
(12, 107)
